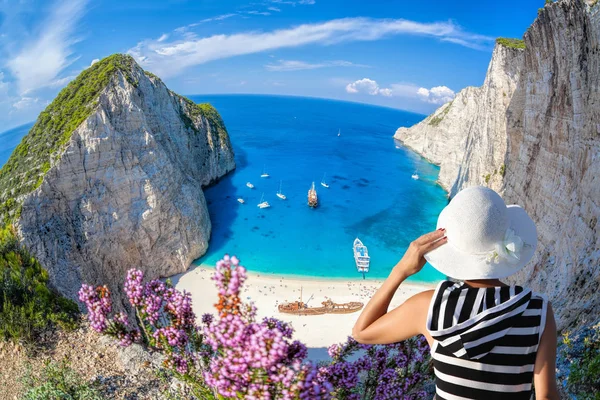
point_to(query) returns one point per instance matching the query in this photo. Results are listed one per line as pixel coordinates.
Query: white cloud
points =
(254, 12)
(294, 2)
(183, 29)
(162, 37)
(94, 61)
(436, 95)
(171, 57)
(274, 9)
(292, 65)
(366, 85)
(42, 59)
(25, 103)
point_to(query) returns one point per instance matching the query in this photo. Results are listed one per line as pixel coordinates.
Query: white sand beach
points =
(268, 291)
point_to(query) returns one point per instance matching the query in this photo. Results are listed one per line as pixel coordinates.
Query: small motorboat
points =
(264, 173)
(240, 200)
(361, 257)
(325, 185)
(251, 186)
(263, 203)
(313, 200)
(280, 194)
(339, 132)
(415, 176)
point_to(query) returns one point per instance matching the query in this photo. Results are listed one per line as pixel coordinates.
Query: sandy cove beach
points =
(268, 291)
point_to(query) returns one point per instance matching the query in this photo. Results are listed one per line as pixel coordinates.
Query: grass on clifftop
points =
(207, 111)
(33, 157)
(27, 304)
(511, 43)
(435, 121)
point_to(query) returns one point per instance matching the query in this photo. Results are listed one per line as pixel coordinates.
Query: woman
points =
(488, 340)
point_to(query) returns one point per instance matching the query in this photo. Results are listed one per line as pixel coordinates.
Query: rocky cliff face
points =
(470, 149)
(125, 190)
(543, 141)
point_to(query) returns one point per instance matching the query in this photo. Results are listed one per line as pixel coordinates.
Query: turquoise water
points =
(371, 193)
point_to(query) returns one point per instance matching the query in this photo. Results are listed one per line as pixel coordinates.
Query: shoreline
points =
(307, 278)
(318, 332)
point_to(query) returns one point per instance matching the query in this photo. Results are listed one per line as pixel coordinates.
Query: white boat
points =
(263, 203)
(325, 185)
(279, 194)
(339, 132)
(415, 176)
(240, 200)
(251, 186)
(361, 257)
(264, 173)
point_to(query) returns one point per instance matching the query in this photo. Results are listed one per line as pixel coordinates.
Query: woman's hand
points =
(413, 260)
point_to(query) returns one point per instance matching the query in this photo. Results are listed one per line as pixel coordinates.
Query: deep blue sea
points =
(371, 194)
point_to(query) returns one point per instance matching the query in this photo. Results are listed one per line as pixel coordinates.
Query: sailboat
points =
(415, 176)
(361, 257)
(251, 186)
(279, 194)
(264, 173)
(313, 201)
(263, 203)
(325, 185)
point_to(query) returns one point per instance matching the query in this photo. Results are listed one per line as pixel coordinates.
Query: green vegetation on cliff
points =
(59, 381)
(207, 111)
(435, 120)
(33, 157)
(511, 43)
(27, 304)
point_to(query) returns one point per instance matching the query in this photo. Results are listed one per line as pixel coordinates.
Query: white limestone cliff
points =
(127, 190)
(466, 136)
(539, 124)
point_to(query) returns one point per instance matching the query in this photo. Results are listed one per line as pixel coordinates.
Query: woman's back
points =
(485, 340)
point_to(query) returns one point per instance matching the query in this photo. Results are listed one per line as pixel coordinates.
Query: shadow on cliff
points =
(221, 199)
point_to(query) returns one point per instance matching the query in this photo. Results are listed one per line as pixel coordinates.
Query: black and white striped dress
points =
(485, 340)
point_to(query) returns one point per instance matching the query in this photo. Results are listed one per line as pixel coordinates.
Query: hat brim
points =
(460, 265)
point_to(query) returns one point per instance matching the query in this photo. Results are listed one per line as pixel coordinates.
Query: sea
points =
(371, 194)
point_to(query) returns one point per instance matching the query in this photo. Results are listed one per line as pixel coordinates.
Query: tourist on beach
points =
(488, 340)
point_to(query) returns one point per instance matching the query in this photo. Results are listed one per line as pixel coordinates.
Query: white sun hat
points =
(486, 238)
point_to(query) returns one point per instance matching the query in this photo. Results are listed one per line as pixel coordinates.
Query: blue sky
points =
(412, 55)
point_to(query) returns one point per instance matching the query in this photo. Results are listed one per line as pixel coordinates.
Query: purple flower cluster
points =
(99, 305)
(396, 371)
(236, 356)
(173, 336)
(255, 360)
(133, 286)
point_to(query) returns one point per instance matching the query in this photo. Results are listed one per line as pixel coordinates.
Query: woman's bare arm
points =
(375, 325)
(545, 363)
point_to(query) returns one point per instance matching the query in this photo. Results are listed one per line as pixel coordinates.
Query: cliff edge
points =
(110, 177)
(532, 133)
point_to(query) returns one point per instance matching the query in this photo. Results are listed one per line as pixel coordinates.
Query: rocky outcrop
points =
(470, 149)
(125, 190)
(544, 146)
